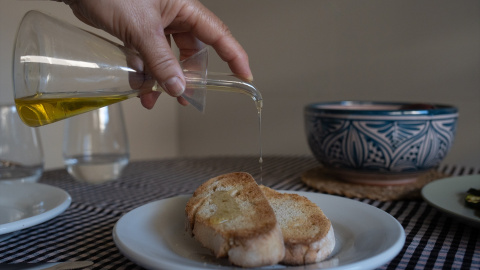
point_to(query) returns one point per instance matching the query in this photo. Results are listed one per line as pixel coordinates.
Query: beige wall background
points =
(302, 52)
(310, 51)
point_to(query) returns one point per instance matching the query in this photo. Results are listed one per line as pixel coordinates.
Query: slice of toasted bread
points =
(231, 216)
(307, 233)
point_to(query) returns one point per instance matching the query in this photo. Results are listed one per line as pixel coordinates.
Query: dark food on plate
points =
(473, 198)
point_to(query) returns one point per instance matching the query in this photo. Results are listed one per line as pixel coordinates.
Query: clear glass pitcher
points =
(60, 71)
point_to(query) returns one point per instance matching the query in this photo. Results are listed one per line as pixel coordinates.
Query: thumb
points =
(162, 64)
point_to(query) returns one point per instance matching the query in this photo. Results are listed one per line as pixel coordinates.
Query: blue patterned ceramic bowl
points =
(379, 142)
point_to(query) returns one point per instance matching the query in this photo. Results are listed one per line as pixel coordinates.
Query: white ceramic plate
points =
(153, 236)
(23, 205)
(448, 196)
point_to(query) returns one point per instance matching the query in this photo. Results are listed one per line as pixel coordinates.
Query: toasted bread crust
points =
(308, 233)
(246, 230)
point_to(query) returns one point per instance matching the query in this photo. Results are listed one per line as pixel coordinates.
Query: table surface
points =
(84, 230)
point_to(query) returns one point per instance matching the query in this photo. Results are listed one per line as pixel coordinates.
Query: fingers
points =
(148, 100)
(209, 29)
(182, 101)
(159, 59)
(187, 44)
(236, 57)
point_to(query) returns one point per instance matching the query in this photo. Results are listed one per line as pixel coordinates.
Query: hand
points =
(147, 25)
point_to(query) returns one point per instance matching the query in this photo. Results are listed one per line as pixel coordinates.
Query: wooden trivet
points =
(322, 181)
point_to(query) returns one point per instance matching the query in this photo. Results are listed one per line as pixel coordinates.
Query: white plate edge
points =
(375, 261)
(432, 202)
(40, 218)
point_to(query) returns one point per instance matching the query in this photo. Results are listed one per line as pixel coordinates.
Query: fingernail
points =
(174, 86)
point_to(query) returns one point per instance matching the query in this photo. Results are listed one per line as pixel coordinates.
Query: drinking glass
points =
(21, 153)
(95, 145)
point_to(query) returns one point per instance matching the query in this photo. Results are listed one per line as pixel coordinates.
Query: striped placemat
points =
(84, 230)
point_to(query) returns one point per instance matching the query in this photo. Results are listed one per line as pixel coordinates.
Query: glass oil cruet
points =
(60, 71)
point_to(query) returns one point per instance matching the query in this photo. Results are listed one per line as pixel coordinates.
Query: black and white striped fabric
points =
(84, 230)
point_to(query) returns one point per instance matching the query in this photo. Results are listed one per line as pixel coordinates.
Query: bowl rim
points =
(342, 108)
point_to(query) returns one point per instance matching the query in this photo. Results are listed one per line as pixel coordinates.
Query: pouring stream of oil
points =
(248, 89)
(260, 160)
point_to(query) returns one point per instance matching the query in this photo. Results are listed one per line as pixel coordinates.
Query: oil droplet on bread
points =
(227, 207)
